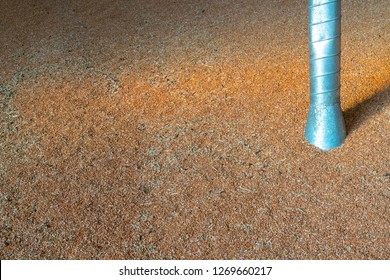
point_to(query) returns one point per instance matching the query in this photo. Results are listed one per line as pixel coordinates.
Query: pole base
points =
(325, 127)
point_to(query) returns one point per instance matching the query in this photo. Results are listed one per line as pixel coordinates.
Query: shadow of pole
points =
(354, 117)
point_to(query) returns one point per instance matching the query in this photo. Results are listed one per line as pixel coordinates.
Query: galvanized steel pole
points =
(325, 126)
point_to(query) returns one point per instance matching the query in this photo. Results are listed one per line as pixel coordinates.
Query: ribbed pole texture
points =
(325, 126)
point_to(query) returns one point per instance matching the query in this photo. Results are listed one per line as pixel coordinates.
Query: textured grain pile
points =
(174, 130)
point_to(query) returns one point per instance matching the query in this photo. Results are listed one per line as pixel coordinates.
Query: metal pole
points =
(325, 126)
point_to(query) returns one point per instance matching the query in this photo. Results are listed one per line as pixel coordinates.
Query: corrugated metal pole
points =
(325, 126)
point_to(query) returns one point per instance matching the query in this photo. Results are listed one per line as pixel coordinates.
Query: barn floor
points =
(174, 130)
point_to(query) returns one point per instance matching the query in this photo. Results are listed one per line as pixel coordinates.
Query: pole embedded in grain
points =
(325, 126)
